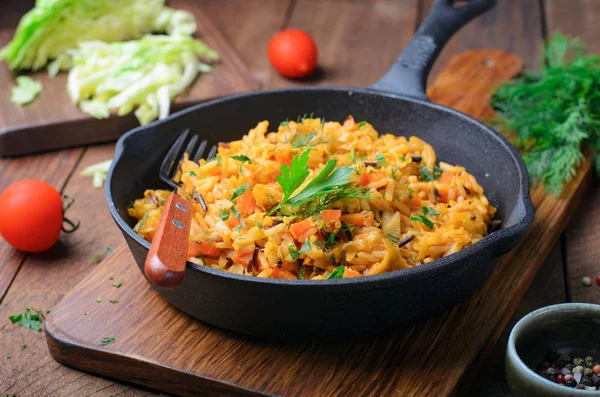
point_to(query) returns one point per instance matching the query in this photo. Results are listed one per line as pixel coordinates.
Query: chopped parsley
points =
(107, 341)
(119, 284)
(394, 171)
(239, 191)
(242, 159)
(296, 254)
(394, 239)
(28, 319)
(199, 255)
(331, 239)
(143, 220)
(361, 124)
(192, 173)
(410, 193)
(99, 300)
(428, 176)
(237, 228)
(338, 272)
(224, 214)
(113, 301)
(284, 123)
(423, 218)
(430, 211)
(97, 257)
(259, 225)
(8, 356)
(380, 158)
(23, 346)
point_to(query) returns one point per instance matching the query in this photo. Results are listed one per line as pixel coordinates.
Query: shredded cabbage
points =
(145, 74)
(26, 90)
(53, 27)
(98, 171)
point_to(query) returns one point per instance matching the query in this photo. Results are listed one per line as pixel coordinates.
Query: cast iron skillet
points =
(290, 309)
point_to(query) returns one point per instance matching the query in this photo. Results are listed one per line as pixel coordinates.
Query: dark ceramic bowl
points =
(569, 328)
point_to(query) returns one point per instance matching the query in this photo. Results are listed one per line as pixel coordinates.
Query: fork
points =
(167, 257)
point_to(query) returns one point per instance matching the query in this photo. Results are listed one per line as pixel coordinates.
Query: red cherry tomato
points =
(31, 215)
(293, 53)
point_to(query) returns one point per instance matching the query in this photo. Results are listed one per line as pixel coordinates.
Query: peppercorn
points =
(570, 367)
(596, 380)
(587, 380)
(551, 371)
(596, 369)
(565, 357)
(560, 378)
(571, 383)
(580, 386)
(577, 369)
(577, 361)
(589, 358)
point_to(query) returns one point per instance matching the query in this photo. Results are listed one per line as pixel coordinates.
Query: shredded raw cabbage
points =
(53, 27)
(145, 74)
(26, 90)
(98, 171)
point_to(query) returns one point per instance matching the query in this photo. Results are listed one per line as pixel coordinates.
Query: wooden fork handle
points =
(165, 263)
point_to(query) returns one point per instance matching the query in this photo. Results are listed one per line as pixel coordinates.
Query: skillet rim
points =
(490, 241)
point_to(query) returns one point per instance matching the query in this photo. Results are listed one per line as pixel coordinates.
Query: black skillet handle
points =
(408, 75)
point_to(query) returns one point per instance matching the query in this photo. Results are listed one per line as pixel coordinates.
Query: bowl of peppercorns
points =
(555, 351)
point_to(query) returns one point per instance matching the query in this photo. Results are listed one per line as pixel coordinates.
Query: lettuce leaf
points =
(53, 27)
(145, 74)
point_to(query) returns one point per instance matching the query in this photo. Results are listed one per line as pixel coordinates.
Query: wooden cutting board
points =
(53, 122)
(158, 346)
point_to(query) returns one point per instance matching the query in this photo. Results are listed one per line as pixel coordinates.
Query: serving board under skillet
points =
(53, 122)
(160, 347)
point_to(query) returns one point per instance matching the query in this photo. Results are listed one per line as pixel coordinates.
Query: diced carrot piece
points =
(284, 157)
(368, 177)
(298, 229)
(245, 204)
(415, 202)
(283, 274)
(443, 191)
(354, 219)
(350, 123)
(232, 221)
(446, 177)
(204, 248)
(242, 259)
(330, 215)
(348, 273)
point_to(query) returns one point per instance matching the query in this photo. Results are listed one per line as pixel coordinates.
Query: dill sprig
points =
(552, 116)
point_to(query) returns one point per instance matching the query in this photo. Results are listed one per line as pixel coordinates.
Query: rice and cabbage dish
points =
(320, 200)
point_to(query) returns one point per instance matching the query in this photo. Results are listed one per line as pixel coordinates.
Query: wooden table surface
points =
(357, 40)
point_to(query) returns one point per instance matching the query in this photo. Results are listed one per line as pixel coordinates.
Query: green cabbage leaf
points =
(53, 27)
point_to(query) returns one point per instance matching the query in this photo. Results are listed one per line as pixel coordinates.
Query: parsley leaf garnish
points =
(113, 301)
(192, 173)
(380, 158)
(107, 341)
(361, 124)
(338, 272)
(28, 319)
(239, 191)
(296, 254)
(99, 300)
(119, 284)
(242, 159)
(224, 214)
(329, 186)
(97, 257)
(237, 228)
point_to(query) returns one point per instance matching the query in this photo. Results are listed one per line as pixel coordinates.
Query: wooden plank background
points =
(358, 40)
